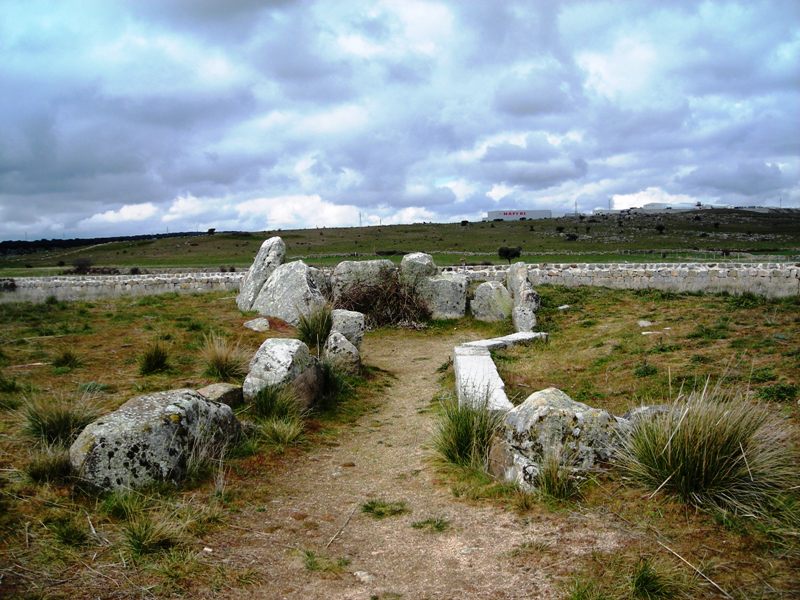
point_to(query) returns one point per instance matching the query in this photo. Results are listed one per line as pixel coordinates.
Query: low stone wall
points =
(38, 289)
(773, 280)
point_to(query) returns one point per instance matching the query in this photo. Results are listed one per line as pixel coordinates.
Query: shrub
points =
(224, 361)
(67, 358)
(779, 392)
(49, 465)
(275, 402)
(69, 531)
(645, 370)
(155, 359)
(713, 453)
(57, 421)
(434, 524)
(336, 384)
(390, 303)
(380, 509)
(314, 327)
(509, 254)
(464, 433)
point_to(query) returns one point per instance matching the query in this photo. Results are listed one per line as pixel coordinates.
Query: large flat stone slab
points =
(478, 383)
(506, 341)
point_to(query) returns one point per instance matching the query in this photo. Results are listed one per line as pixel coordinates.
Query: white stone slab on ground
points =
(477, 381)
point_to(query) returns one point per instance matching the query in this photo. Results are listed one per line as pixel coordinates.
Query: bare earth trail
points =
(384, 456)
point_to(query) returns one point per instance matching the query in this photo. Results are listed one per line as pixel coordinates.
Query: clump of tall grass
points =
(282, 432)
(715, 451)
(464, 433)
(67, 359)
(151, 533)
(49, 464)
(223, 360)
(155, 359)
(275, 402)
(336, 384)
(57, 420)
(314, 328)
(556, 477)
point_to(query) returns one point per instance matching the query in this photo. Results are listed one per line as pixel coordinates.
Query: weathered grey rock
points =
(527, 296)
(492, 302)
(523, 318)
(512, 339)
(283, 362)
(151, 438)
(516, 278)
(322, 280)
(550, 421)
(445, 295)
(350, 323)
(340, 352)
(366, 273)
(289, 292)
(259, 324)
(269, 257)
(224, 393)
(639, 413)
(417, 266)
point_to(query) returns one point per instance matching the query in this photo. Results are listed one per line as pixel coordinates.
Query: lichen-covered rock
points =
(341, 353)
(516, 278)
(445, 295)
(269, 257)
(289, 292)
(280, 362)
(523, 318)
(417, 266)
(549, 420)
(350, 323)
(260, 324)
(349, 273)
(224, 393)
(492, 302)
(152, 438)
(322, 280)
(639, 413)
(527, 296)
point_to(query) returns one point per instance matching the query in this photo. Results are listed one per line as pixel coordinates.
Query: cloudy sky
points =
(142, 116)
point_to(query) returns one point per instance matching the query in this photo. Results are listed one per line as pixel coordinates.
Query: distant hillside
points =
(694, 235)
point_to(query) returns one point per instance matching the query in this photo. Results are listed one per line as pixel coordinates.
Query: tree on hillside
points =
(509, 253)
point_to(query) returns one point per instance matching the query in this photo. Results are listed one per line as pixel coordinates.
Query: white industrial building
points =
(517, 215)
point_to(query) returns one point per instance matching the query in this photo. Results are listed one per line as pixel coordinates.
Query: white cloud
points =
(499, 191)
(295, 211)
(189, 206)
(128, 213)
(650, 195)
(626, 70)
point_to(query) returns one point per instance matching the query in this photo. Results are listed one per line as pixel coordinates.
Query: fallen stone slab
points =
(152, 438)
(478, 383)
(513, 339)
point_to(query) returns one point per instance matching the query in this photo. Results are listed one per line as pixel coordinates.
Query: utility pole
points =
(576, 207)
(359, 218)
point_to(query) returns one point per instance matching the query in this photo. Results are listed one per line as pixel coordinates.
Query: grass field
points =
(60, 352)
(699, 235)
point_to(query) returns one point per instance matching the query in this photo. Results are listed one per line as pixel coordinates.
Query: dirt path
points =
(383, 457)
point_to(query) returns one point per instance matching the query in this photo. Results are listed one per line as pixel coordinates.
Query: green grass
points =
(556, 478)
(282, 432)
(69, 531)
(155, 359)
(320, 563)
(49, 464)
(125, 505)
(151, 533)
(314, 328)
(713, 453)
(463, 433)
(380, 509)
(779, 392)
(432, 524)
(275, 402)
(67, 359)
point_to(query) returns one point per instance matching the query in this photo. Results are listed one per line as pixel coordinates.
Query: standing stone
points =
(368, 273)
(492, 302)
(289, 292)
(322, 280)
(152, 438)
(445, 295)
(523, 318)
(516, 278)
(417, 266)
(281, 362)
(340, 352)
(269, 257)
(350, 323)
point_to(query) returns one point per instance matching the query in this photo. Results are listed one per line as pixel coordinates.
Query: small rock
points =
(259, 324)
(339, 351)
(364, 577)
(563, 307)
(643, 323)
